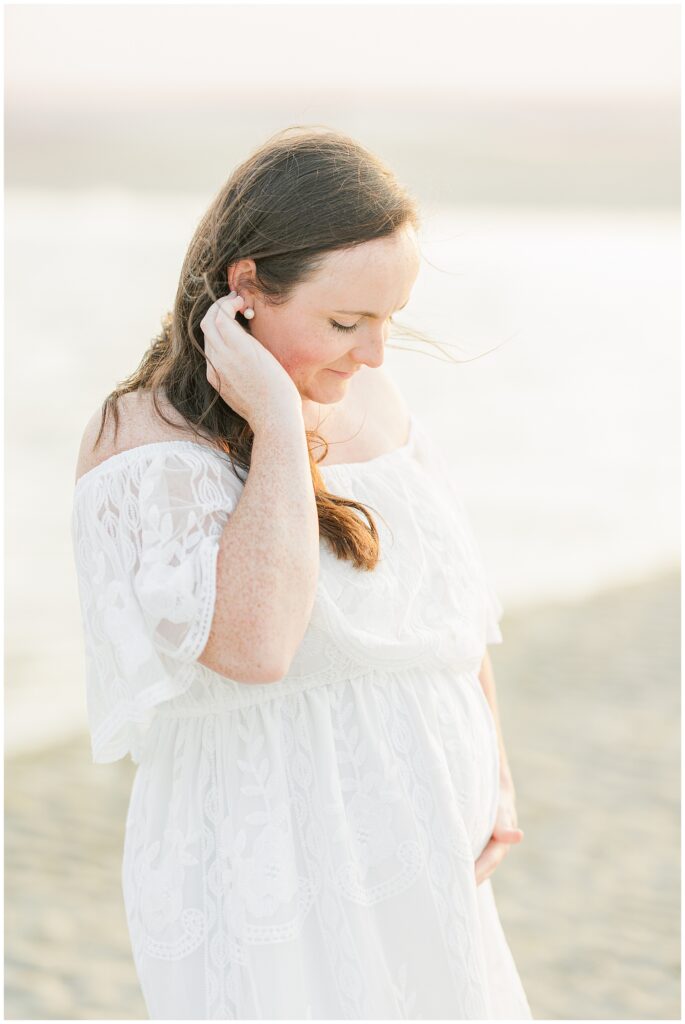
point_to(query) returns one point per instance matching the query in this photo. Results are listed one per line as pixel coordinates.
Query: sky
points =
(90, 54)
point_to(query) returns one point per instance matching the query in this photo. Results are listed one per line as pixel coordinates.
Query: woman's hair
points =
(307, 191)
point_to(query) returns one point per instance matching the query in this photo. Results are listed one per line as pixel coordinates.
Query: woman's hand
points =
(244, 372)
(504, 834)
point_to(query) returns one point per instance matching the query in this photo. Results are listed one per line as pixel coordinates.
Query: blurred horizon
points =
(493, 105)
(561, 153)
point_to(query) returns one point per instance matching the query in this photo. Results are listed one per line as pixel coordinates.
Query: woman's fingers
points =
(502, 838)
(226, 305)
(496, 850)
(491, 856)
(508, 833)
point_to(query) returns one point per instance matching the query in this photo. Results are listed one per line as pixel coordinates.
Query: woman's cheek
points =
(297, 359)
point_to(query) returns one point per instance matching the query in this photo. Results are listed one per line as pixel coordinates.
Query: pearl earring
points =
(248, 313)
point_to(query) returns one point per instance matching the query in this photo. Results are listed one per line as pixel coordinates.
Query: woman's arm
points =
(268, 562)
(487, 680)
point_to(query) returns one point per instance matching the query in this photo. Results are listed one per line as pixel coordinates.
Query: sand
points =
(589, 696)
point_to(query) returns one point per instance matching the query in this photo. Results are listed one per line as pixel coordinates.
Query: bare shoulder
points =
(381, 397)
(139, 423)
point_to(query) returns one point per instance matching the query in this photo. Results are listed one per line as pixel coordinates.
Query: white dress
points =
(305, 848)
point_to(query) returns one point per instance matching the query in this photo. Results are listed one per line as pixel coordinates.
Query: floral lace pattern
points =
(302, 848)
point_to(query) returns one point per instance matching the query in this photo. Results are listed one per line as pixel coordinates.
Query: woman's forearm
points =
(268, 561)
(487, 680)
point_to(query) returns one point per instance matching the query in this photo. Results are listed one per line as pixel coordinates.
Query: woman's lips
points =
(341, 373)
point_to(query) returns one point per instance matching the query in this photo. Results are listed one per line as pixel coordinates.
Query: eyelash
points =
(341, 327)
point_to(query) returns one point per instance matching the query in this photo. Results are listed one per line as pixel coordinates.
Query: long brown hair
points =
(307, 191)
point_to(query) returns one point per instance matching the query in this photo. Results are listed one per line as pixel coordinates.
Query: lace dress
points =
(305, 848)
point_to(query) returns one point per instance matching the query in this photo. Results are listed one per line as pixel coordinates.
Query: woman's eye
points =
(341, 327)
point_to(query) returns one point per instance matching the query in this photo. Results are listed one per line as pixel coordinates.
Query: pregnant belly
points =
(372, 772)
(468, 736)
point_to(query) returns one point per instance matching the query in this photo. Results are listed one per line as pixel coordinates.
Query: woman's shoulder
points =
(139, 425)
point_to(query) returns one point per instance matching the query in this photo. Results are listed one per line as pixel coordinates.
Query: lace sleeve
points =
(146, 534)
(184, 499)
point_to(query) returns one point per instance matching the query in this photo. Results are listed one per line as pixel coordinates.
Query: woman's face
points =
(358, 289)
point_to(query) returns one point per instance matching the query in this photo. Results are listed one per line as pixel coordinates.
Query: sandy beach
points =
(589, 696)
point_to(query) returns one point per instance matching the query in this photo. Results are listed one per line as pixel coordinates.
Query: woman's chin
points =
(325, 388)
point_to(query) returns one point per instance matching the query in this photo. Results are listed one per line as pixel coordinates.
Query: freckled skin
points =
(376, 276)
(267, 565)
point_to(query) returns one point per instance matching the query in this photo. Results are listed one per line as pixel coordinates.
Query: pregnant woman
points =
(286, 617)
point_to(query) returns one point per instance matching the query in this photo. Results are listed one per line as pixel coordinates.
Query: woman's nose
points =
(372, 351)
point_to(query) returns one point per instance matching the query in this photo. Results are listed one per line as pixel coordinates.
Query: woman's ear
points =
(241, 277)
